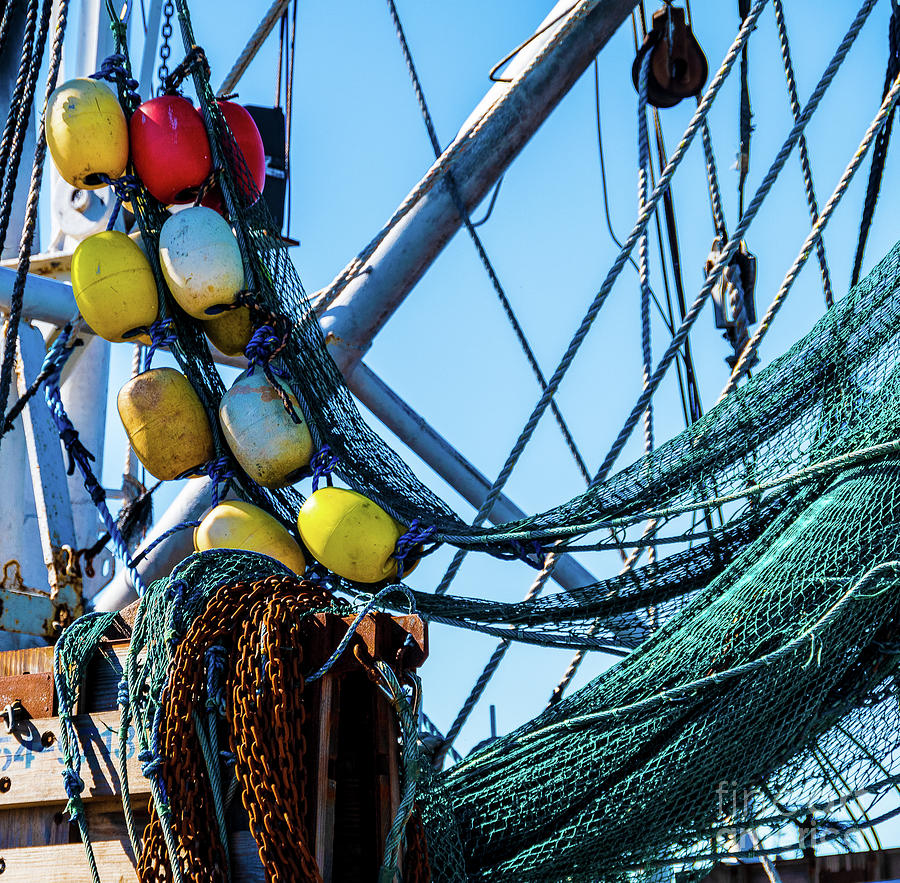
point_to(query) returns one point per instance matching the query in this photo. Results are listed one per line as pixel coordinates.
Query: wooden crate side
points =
(31, 761)
(68, 864)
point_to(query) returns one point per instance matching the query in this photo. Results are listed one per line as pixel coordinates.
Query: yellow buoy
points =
(238, 525)
(350, 534)
(230, 332)
(270, 447)
(165, 422)
(113, 284)
(201, 260)
(87, 133)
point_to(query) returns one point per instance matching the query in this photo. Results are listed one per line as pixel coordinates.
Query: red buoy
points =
(249, 141)
(169, 148)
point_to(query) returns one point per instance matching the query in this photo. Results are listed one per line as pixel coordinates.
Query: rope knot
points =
(114, 69)
(122, 696)
(151, 764)
(322, 465)
(162, 334)
(261, 347)
(410, 543)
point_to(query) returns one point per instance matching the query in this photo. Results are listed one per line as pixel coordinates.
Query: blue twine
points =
(229, 758)
(162, 334)
(151, 763)
(215, 678)
(219, 471)
(114, 70)
(322, 464)
(74, 785)
(260, 347)
(122, 697)
(414, 537)
(115, 214)
(78, 455)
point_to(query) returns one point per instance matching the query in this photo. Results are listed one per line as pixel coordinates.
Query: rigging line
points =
(715, 194)
(493, 200)
(17, 118)
(289, 114)
(11, 335)
(694, 400)
(492, 74)
(479, 247)
(732, 245)
(746, 115)
(747, 354)
(644, 254)
(616, 241)
(687, 384)
(600, 298)
(881, 145)
(578, 657)
(803, 148)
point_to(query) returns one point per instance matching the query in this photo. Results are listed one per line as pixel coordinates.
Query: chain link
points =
(164, 49)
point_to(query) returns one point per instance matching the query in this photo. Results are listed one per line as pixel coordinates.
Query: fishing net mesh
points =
(762, 696)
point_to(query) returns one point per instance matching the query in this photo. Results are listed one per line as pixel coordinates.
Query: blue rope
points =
(373, 602)
(78, 455)
(163, 536)
(114, 70)
(322, 464)
(415, 537)
(162, 334)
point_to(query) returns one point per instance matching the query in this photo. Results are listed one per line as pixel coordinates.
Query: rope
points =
(78, 455)
(803, 148)
(881, 145)
(461, 209)
(644, 245)
(883, 115)
(712, 176)
(11, 163)
(745, 115)
(732, 245)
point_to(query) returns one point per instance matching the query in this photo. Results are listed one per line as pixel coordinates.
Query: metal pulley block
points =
(678, 68)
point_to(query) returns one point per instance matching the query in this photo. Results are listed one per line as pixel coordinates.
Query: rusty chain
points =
(261, 628)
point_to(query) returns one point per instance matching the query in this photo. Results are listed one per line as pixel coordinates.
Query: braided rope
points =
(803, 148)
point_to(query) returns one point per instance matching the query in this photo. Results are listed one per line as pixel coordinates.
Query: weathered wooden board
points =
(68, 864)
(31, 761)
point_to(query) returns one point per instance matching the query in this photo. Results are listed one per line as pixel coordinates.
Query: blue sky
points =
(360, 146)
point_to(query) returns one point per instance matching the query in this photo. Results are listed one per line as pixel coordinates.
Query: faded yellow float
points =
(165, 422)
(270, 447)
(113, 285)
(230, 332)
(239, 525)
(349, 534)
(201, 260)
(87, 133)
